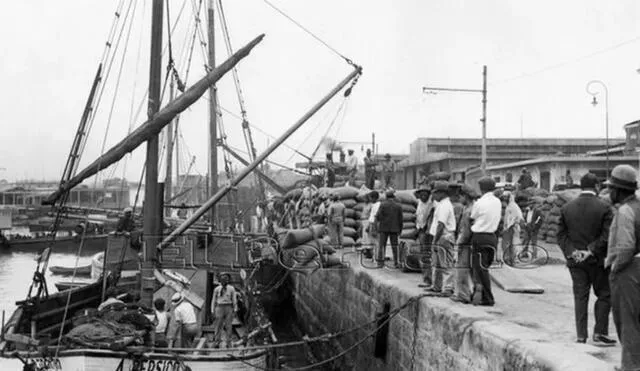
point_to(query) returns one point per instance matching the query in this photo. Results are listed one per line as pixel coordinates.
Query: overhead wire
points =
(349, 61)
(565, 63)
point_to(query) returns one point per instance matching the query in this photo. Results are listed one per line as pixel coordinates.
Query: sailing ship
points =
(39, 334)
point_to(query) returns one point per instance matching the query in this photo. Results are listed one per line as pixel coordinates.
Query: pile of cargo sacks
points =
(310, 245)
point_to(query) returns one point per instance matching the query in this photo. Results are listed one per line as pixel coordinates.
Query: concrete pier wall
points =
(430, 334)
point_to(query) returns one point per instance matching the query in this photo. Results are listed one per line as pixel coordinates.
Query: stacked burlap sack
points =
(551, 209)
(300, 247)
(346, 195)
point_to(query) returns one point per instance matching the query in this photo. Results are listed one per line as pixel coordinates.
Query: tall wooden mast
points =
(152, 212)
(213, 116)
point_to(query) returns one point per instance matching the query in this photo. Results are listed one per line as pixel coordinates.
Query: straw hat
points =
(623, 177)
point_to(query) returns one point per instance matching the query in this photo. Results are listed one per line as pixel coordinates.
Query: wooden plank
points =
(21, 339)
(190, 296)
(513, 280)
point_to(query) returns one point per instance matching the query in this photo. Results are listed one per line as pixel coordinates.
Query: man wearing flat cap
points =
(442, 228)
(623, 258)
(583, 231)
(486, 214)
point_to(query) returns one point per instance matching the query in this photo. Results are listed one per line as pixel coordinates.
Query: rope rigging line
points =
(349, 61)
(246, 129)
(340, 109)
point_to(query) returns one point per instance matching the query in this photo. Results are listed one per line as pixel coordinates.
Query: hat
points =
(387, 156)
(588, 181)
(390, 193)
(486, 184)
(469, 191)
(440, 185)
(350, 151)
(623, 177)
(128, 210)
(177, 298)
(421, 189)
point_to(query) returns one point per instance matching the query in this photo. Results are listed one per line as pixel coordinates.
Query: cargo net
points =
(115, 328)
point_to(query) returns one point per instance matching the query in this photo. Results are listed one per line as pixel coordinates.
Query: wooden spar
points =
(213, 115)
(262, 175)
(154, 126)
(246, 171)
(168, 173)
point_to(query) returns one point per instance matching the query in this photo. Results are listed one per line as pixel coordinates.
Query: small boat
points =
(83, 271)
(91, 245)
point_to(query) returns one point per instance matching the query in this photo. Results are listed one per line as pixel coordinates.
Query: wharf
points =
(521, 332)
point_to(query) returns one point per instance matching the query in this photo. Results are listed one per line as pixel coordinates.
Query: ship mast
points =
(213, 116)
(152, 212)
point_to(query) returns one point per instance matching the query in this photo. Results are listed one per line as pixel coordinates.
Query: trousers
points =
(224, 320)
(443, 261)
(463, 282)
(483, 249)
(625, 305)
(382, 246)
(585, 276)
(336, 233)
(425, 251)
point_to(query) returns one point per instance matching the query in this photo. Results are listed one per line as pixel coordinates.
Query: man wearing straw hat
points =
(186, 323)
(623, 257)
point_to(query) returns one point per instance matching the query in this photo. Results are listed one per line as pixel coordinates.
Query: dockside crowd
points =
(458, 231)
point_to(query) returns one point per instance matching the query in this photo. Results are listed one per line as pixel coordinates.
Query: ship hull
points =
(98, 360)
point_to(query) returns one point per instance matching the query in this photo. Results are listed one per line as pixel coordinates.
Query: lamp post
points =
(606, 109)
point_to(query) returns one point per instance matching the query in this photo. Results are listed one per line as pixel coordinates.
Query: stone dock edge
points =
(430, 334)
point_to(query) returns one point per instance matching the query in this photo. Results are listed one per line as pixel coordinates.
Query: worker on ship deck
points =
(125, 223)
(185, 322)
(225, 305)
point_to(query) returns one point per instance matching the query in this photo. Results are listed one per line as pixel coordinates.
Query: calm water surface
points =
(16, 272)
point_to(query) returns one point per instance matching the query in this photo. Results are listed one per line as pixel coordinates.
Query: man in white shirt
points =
(443, 227)
(225, 305)
(184, 316)
(352, 167)
(485, 214)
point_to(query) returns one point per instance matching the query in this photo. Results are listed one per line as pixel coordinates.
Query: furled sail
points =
(156, 124)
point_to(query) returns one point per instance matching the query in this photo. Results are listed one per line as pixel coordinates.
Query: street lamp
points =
(594, 102)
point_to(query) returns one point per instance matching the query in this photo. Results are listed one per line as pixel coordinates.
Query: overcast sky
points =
(540, 56)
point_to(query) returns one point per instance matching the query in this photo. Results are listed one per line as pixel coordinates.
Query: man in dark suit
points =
(582, 236)
(389, 226)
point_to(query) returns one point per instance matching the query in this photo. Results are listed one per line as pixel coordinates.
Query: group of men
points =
(371, 169)
(602, 248)
(466, 234)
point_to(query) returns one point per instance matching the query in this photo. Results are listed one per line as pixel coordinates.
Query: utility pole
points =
(483, 91)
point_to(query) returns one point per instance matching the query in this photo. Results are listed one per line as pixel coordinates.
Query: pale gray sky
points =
(51, 50)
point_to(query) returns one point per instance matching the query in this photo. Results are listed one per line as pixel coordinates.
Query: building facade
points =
(458, 155)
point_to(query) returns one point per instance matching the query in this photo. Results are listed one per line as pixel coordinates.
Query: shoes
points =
(425, 286)
(458, 299)
(476, 299)
(445, 294)
(603, 340)
(581, 340)
(430, 291)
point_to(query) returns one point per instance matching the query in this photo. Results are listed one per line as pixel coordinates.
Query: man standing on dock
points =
(486, 214)
(336, 214)
(582, 235)
(387, 171)
(442, 229)
(389, 219)
(463, 283)
(423, 211)
(623, 257)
